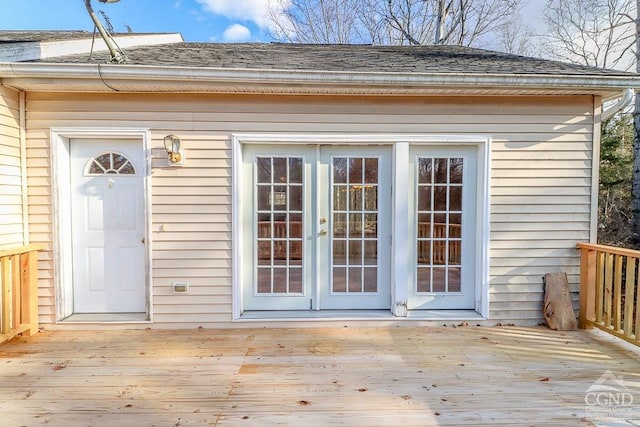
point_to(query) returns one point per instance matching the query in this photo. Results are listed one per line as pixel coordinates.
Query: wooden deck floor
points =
(402, 376)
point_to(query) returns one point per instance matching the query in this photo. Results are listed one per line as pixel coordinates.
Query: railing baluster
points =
(617, 292)
(16, 292)
(608, 289)
(599, 286)
(629, 302)
(5, 298)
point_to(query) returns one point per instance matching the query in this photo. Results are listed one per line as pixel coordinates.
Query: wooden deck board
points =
(314, 377)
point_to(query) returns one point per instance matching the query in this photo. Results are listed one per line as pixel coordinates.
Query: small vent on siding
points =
(180, 288)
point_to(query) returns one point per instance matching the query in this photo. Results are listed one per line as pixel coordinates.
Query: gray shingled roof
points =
(341, 58)
(17, 36)
(41, 36)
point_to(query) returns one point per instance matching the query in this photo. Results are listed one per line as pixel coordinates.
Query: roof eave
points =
(143, 78)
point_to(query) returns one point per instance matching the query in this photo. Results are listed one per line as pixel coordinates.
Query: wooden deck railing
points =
(19, 286)
(609, 290)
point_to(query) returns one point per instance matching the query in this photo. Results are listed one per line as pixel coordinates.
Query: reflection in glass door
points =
(280, 224)
(355, 225)
(439, 234)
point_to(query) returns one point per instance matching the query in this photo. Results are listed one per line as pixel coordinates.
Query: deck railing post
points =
(29, 269)
(5, 297)
(587, 288)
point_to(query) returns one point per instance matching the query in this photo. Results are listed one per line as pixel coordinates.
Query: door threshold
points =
(106, 318)
(310, 315)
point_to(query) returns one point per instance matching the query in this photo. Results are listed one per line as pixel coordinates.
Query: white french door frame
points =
(401, 271)
(61, 207)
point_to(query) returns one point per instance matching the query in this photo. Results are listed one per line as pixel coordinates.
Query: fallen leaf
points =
(544, 379)
(362, 390)
(303, 403)
(406, 397)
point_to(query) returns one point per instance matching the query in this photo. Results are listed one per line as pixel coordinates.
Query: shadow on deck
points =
(401, 376)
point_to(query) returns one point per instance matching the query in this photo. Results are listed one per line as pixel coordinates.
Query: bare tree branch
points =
(463, 22)
(591, 32)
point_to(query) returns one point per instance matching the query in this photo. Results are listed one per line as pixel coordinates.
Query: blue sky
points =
(197, 20)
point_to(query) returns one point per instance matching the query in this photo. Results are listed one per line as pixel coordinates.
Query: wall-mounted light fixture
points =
(174, 152)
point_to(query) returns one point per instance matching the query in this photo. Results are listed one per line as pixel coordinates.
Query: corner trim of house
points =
(23, 167)
(595, 168)
(59, 156)
(484, 212)
(236, 228)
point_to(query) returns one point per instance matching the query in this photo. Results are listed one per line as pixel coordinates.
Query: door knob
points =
(323, 232)
(143, 240)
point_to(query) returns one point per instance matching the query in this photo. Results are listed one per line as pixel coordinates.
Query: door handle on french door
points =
(323, 232)
(143, 241)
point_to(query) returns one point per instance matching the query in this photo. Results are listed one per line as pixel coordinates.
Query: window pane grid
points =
(439, 233)
(355, 224)
(279, 184)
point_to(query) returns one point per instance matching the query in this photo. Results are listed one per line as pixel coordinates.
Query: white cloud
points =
(257, 11)
(236, 33)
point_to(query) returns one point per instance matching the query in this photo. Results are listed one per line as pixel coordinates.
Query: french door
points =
(443, 204)
(354, 254)
(317, 227)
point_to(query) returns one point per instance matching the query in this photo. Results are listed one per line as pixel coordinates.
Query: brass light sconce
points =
(174, 152)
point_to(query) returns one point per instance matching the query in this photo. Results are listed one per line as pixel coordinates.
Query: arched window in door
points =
(110, 164)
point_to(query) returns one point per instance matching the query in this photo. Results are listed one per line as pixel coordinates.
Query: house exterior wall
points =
(11, 208)
(541, 185)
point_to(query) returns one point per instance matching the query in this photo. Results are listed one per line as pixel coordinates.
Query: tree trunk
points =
(635, 190)
(440, 19)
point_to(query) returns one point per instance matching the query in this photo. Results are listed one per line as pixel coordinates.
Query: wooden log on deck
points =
(558, 308)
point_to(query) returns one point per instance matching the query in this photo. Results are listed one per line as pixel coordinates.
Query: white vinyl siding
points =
(540, 194)
(11, 213)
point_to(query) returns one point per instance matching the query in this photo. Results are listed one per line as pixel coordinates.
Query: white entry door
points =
(108, 226)
(316, 224)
